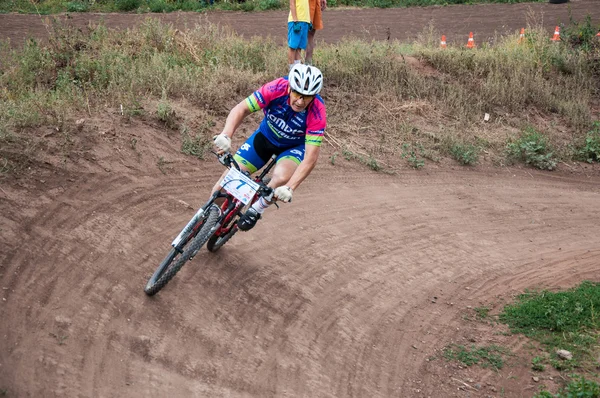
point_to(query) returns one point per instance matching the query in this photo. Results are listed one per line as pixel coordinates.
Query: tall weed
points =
(514, 76)
(533, 149)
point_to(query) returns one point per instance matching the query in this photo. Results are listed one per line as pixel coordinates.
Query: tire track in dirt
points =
(335, 310)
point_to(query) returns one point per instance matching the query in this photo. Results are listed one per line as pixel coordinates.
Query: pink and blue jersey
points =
(282, 125)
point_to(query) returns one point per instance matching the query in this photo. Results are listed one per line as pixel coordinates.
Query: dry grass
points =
(388, 103)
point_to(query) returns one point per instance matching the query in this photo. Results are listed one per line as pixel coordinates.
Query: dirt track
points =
(351, 291)
(397, 23)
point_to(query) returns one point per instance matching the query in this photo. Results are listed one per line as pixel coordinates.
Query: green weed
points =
(333, 157)
(489, 356)
(369, 160)
(410, 153)
(60, 338)
(537, 364)
(579, 388)
(77, 6)
(590, 152)
(563, 320)
(533, 149)
(466, 154)
(580, 34)
(482, 312)
(165, 113)
(127, 5)
(194, 146)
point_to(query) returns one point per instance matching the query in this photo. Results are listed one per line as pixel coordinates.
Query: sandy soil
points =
(353, 290)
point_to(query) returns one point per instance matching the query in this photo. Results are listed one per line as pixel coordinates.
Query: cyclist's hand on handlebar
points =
(222, 142)
(284, 193)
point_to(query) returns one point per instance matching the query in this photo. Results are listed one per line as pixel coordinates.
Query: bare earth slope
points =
(352, 290)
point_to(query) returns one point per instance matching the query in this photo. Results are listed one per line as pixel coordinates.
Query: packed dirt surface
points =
(455, 22)
(352, 290)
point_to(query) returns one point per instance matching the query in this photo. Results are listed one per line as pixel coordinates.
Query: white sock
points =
(260, 205)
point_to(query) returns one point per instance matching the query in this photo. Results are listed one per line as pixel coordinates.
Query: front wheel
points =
(173, 263)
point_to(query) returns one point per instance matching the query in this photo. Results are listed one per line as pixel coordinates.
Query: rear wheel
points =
(215, 242)
(173, 262)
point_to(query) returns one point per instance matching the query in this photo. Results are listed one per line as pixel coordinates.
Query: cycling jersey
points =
(282, 125)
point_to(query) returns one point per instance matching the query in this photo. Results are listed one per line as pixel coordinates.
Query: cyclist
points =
(293, 128)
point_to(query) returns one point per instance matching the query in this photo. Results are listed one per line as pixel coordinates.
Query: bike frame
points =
(232, 206)
(207, 224)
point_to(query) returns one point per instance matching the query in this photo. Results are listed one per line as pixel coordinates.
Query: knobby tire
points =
(197, 242)
(215, 242)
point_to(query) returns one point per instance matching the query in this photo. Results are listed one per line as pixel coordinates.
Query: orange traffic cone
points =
(556, 36)
(471, 42)
(522, 35)
(443, 42)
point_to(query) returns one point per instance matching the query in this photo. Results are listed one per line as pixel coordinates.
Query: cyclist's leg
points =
(287, 163)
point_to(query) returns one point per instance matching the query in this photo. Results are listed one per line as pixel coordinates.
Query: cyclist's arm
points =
(316, 123)
(311, 155)
(235, 117)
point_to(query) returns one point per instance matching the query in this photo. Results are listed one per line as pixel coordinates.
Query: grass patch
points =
(537, 364)
(465, 154)
(567, 320)
(196, 145)
(578, 388)
(413, 153)
(481, 312)
(485, 356)
(375, 97)
(366, 160)
(533, 149)
(166, 113)
(590, 151)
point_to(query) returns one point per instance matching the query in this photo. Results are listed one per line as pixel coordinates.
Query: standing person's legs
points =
(297, 41)
(293, 42)
(310, 46)
(317, 24)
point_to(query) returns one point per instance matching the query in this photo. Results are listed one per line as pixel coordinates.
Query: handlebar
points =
(227, 160)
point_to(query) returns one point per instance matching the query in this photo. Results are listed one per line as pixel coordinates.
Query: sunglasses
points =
(306, 98)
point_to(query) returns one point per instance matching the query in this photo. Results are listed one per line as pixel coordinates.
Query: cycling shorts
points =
(257, 150)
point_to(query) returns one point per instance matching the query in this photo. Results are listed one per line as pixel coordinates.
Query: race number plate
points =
(240, 186)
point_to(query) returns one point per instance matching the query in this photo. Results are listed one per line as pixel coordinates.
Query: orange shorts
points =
(315, 14)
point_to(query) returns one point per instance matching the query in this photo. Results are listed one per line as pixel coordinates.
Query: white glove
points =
(222, 142)
(284, 193)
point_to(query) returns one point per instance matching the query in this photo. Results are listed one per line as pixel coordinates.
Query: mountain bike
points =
(212, 224)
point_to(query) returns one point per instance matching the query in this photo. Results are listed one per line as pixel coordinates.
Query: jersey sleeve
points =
(263, 96)
(316, 122)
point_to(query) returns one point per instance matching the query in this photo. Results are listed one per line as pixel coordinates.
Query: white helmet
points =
(305, 79)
